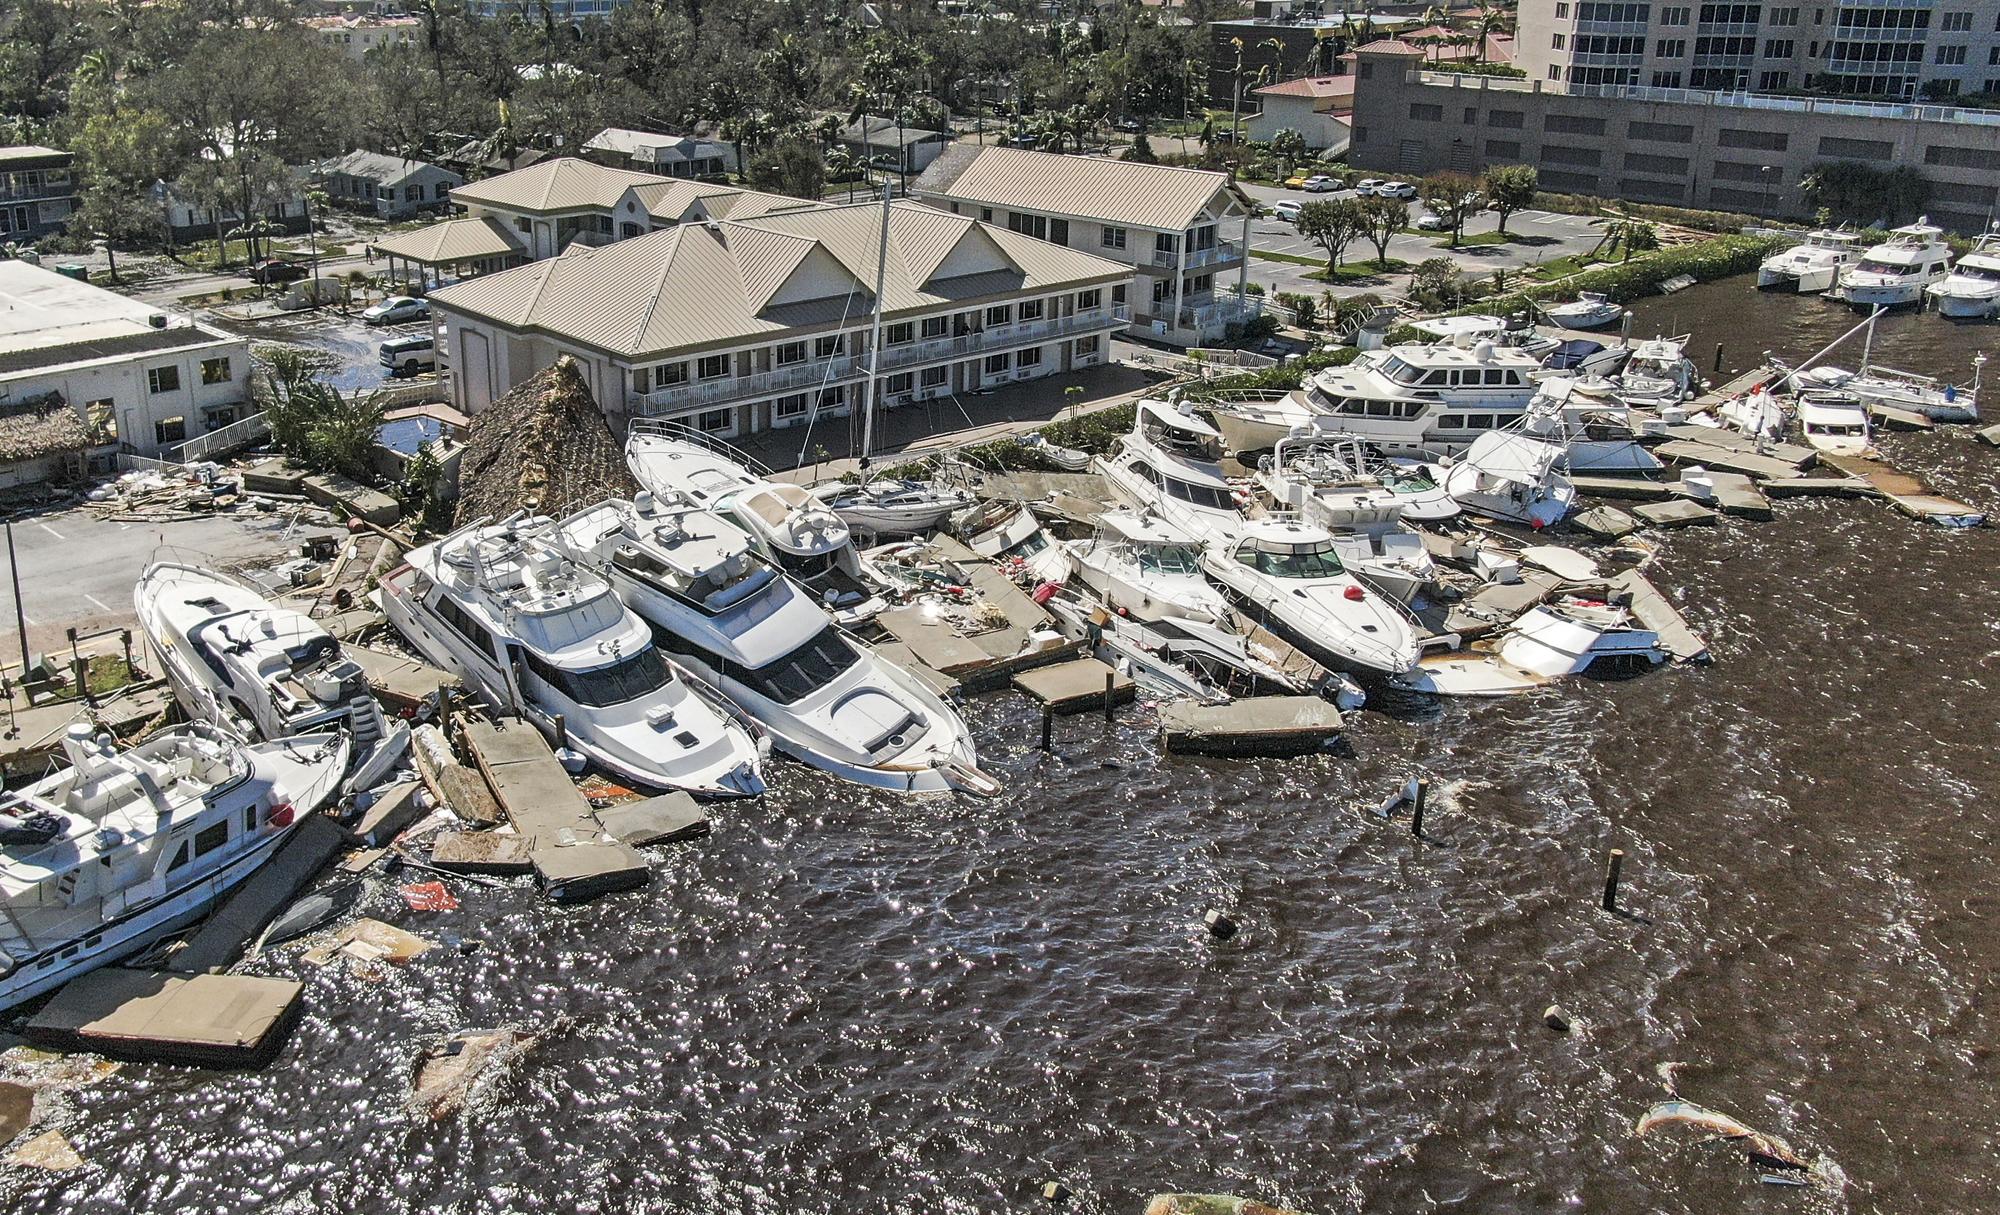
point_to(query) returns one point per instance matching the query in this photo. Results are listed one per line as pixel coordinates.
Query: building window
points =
(1086, 300)
(1420, 112)
(716, 421)
(902, 333)
(1087, 345)
(170, 430)
(163, 379)
(1118, 294)
(641, 382)
(985, 215)
(1031, 310)
(934, 377)
(1557, 41)
(1562, 10)
(215, 371)
(1666, 80)
(936, 326)
(1059, 231)
(1956, 23)
(1503, 149)
(1512, 120)
(100, 418)
(1031, 357)
(1951, 56)
(1573, 124)
(1763, 141)
(1555, 73)
(521, 225)
(793, 406)
(1670, 48)
(711, 366)
(1772, 81)
(899, 384)
(1000, 314)
(833, 398)
(1113, 238)
(830, 345)
(1778, 48)
(1674, 16)
(996, 364)
(666, 375)
(791, 352)
(1036, 226)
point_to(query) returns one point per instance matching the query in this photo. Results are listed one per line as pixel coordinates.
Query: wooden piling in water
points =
(1110, 686)
(1417, 806)
(1048, 726)
(1611, 879)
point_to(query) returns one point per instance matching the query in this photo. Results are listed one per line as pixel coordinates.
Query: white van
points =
(409, 355)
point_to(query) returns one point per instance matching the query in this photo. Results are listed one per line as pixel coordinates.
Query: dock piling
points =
(1417, 806)
(1110, 680)
(1611, 879)
(1048, 726)
(1717, 368)
(562, 733)
(1219, 926)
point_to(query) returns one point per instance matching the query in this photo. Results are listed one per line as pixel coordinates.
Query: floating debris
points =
(1211, 1204)
(371, 941)
(1769, 1151)
(428, 896)
(448, 1074)
(50, 1151)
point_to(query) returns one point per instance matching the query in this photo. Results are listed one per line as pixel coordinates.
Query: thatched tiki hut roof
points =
(542, 447)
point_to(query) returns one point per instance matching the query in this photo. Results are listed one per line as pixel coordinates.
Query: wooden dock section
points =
(1023, 637)
(1076, 685)
(399, 682)
(1888, 417)
(1738, 495)
(202, 1020)
(223, 937)
(1635, 489)
(1728, 459)
(1907, 494)
(1263, 725)
(1990, 435)
(1604, 522)
(1679, 513)
(1714, 436)
(1653, 610)
(541, 802)
(1818, 487)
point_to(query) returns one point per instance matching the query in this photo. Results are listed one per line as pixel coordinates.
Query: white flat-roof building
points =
(666, 155)
(737, 325)
(137, 378)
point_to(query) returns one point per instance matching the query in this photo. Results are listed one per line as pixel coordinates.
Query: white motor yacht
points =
(1658, 374)
(1835, 423)
(1508, 475)
(1588, 419)
(1757, 413)
(1010, 536)
(258, 670)
(1146, 568)
(118, 849)
(790, 526)
(894, 506)
(1289, 574)
(529, 629)
(1811, 267)
(1896, 272)
(1589, 310)
(1971, 292)
(726, 615)
(1169, 466)
(1316, 480)
(1410, 400)
(1550, 642)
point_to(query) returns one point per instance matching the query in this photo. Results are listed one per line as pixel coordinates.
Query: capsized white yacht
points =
(1146, 568)
(259, 670)
(1938, 401)
(117, 849)
(1971, 292)
(1571, 636)
(1289, 574)
(1811, 267)
(529, 629)
(789, 525)
(1509, 475)
(1318, 480)
(1896, 272)
(1405, 400)
(727, 617)
(1835, 423)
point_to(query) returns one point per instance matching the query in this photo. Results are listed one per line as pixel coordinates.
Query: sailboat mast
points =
(875, 329)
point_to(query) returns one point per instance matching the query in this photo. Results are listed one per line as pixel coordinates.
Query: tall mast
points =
(875, 326)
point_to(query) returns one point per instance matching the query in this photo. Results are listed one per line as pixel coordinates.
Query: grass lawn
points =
(1297, 259)
(1364, 271)
(1558, 267)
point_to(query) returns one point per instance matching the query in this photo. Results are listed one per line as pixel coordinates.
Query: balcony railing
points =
(825, 373)
(1712, 97)
(1223, 251)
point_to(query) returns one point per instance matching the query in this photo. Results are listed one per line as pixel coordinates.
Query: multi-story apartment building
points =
(1730, 151)
(37, 193)
(1898, 50)
(742, 325)
(356, 34)
(665, 155)
(1170, 226)
(390, 186)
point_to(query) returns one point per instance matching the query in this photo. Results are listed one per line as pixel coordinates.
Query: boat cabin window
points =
(1438, 377)
(182, 856)
(1873, 266)
(212, 837)
(1381, 409)
(1309, 563)
(463, 623)
(1030, 544)
(1981, 273)
(805, 567)
(1206, 496)
(1170, 559)
(642, 674)
(813, 665)
(1401, 372)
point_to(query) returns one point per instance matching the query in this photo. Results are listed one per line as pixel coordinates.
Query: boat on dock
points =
(731, 622)
(1319, 480)
(1509, 475)
(1813, 266)
(1146, 568)
(1658, 374)
(1289, 575)
(894, 506)
(1011, 536)
(1571, 636)
(1589, 310)
(1170, 466)
(120, 848)
(1591, 423)
(531, 630)
(260, 671)
(1896, 272)
(1971, 292)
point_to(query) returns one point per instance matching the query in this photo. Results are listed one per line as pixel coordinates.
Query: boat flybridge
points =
(1146, 568)
(1289, 573)
(1319, 479)
(1811, 267)
(530, 629)
(1971, 292)
(1405, 400)
(1897, 271)
(1513, 476)
(731, 620)
(258, 670)
(787, 523)
(117, 849)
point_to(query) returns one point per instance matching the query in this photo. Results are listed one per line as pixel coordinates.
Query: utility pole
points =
(20, 612)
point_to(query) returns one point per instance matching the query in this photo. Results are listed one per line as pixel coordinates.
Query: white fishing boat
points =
(790, 527)
(1757, 413)
(894, 506)
(1971, 292)
(1896, 272)
(1811, 267)
(1010, 536)
(1289, 575)
(729, 619)
(260, 671)
(1509, 475)
(1068, 459)
(1589, 310)
(1571, 636)
(117, 849)
(1835, 423)
(1319, 481)
(1411, 400)
(1146, 568)
(529, 629)
(1658, 374)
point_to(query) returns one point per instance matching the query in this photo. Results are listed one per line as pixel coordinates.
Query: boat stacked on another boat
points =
(1289, 574)
(1896, 272)
(119, 848)
(1510, 475)
(1971, 292)
(1571, 636)
(1315, 479)
(1145, 567)
(894, 506)
(1813, 266)
(1010, 536)
(1592, 425)
(527, 628)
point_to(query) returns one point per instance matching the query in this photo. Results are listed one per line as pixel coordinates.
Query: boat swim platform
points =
(398, 681)
(1076, 685)
(1259, 725)
(223, 936)
(152, 1017)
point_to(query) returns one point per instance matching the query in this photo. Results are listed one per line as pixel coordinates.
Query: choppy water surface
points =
(849, 1001)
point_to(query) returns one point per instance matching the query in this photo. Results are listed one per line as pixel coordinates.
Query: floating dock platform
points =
(570, 858)
(400, 683)
(982, 659)
(1076, 685)
(1262, 725)
(203, 1020)
(1679, 513)
(1907, 494)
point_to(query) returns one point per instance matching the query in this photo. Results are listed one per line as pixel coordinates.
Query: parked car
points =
(408, 355)
(1288, 209)
(1395, 189)
(1296, 181)
(1320, 183)
(1368, 185)
(396, 310)
(1129, 124)
(1431, 221)
(273, 271)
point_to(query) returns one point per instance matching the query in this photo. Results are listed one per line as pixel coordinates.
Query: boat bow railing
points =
(684, 433)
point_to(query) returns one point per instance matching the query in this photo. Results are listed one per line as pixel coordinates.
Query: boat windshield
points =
(1207, 496)
(1402, 371)
(1182, 559)
(642, 674)
(1875, 266)
(813, 665)
(1308, 563)
(1985, 274)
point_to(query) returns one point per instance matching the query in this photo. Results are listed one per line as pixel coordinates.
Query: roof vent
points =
(157, 320)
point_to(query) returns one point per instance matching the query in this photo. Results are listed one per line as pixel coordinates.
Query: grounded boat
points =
(732, 621)
(1146, 568)
(789, 525)
(1169, 467)
(1508, 475)
(1423, 500)
(1896, 272)
(1657, 374)
(1922, 394)
(529, 629)
(258, 670)
(1811, 267)
(1289, 575)
(1319, 482)
(1971, 292)
(1835, 423)
(894, 506)
(1589, 310)
(1179, 656)
(1010, 536)
(1592, 426)
(119, 849)
(1569, 637)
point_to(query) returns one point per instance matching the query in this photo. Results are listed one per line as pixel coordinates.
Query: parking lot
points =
(354, 344)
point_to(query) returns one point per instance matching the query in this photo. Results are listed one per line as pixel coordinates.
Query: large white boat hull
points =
(1967, 306)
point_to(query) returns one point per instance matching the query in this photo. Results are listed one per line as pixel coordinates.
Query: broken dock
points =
(1263, 725)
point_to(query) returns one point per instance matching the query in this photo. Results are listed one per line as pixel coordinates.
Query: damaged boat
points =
(1289, 575)
(1571, 636)
(1508, 475)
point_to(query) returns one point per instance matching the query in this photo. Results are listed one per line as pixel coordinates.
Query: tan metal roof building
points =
(1092, 187)
(454, 240)
(729, 281)
(564, 184)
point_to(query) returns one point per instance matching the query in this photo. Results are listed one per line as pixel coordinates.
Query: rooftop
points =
(355, 21)
(1094, 187)
(630, 142)
(48, 320)
(1316, 87)
(375, 166)
(32, 156)
(454, 240)
(562, 184)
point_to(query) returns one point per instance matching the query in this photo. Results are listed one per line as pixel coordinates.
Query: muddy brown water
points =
(849, 1001)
